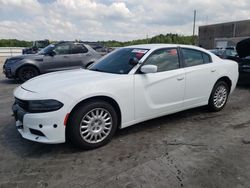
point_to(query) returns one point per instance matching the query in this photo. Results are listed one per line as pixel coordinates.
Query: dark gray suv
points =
(55, 57)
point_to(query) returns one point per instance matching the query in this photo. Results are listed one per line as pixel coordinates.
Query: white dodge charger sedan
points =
(128, 86)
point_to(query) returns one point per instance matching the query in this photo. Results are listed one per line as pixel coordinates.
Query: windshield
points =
(41, 44)
(47, 49)
(118, 61)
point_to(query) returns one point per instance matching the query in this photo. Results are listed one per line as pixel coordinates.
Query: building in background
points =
(224, 34)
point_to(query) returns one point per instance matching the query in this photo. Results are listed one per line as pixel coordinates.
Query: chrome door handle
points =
(213, 70)
(179, 79)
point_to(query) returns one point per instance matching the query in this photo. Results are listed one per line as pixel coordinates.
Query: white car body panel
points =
(139, 96)
(158, 92)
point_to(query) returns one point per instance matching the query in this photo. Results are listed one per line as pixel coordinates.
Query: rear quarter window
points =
(206, 58)
(193, 57)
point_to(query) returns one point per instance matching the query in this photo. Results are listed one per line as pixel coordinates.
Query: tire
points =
(27, 72)
(219, 96)
(87, 130)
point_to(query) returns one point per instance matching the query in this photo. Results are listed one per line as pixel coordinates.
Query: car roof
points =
(162, 45)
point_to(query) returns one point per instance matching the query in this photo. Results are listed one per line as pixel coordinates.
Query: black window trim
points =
(138, 71)
(202, 52)
(80, 44)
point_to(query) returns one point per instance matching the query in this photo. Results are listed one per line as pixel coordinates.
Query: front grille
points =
(23, 104)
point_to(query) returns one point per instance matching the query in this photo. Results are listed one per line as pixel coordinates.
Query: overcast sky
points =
(110, 19)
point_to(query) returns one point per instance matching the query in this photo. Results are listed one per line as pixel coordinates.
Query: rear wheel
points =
(27, 72)
(92, 124)
(219, 96)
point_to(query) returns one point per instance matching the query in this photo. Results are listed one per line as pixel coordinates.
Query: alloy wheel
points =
(220, 96)
(96, 125)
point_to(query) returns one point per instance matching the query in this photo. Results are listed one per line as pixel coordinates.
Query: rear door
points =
(81, 56)
(200, 74)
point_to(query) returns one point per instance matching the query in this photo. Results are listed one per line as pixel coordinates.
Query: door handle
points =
(181, 78)
(88, 55)
(65, 56)
(213, 70)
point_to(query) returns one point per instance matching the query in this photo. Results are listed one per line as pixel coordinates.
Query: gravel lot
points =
(194, 148)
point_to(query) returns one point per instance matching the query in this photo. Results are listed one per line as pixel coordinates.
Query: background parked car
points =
(55, 57)
(243, 59)
(36, 47)
(225, 52)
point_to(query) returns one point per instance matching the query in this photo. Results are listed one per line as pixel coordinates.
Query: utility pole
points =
(194, 26)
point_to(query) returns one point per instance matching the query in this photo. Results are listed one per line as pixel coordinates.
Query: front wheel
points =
(27, 72)
(92, 124)
(219, 96)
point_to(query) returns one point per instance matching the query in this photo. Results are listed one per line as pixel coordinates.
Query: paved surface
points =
(193, 149)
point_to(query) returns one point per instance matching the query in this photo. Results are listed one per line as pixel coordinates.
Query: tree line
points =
(168, 38)
(14, 43)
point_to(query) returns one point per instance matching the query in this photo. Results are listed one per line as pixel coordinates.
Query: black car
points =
(243, 59)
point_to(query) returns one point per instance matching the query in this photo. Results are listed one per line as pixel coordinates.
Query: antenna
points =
(194, 25)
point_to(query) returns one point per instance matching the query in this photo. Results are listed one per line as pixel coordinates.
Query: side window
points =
(206, 58)
(192, 57)
(62, 49)
(165, 59)
(195, 57)
(78, 49)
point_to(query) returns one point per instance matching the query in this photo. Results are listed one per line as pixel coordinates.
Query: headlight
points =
(49, 105)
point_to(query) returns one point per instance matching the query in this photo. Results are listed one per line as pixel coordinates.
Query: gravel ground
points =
(194, 148)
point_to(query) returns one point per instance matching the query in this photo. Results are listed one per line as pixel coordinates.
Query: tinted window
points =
(62, 49)
(118, 61)
(47, 49)
(164, 59)
(206, 58)
(194, 57)
(78, 48)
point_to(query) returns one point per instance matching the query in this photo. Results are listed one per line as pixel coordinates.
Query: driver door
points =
(162, 92)
(59, 61)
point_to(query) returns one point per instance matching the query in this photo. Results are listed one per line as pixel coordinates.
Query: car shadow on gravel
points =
(242, 86)
(12, 141)
(9, 81)
(171, 120)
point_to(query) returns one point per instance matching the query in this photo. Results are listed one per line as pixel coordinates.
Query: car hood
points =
(64, 80)
(27, 56)
(243, 48)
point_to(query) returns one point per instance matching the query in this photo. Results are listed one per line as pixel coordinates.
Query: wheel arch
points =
(107, 99)
(227, 80)
(26, 65)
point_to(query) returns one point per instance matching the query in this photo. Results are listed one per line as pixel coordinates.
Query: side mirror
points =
(148, 69)
(52, 53)
(133, 61)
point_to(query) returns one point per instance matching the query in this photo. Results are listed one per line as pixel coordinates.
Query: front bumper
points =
(7, 72)
(40, 127)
